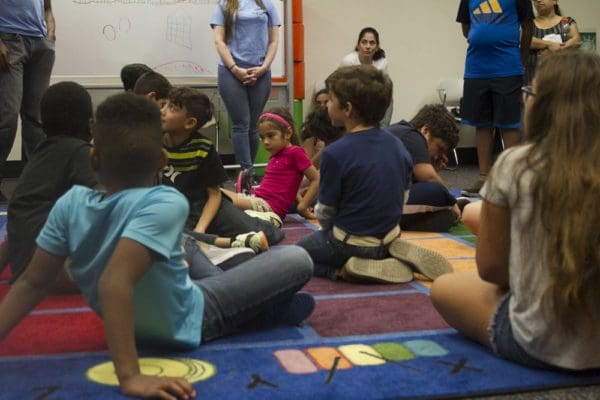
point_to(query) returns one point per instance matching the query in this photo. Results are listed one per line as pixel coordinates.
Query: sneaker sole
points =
(264, 242)
(387, 270)
(424, 261)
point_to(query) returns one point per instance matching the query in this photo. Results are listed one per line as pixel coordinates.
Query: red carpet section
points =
(60, 324)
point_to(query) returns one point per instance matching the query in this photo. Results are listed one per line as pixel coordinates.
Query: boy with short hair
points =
(154, 86)
(130, 73)
(365, 176)
(58, 163)
(195, 169)
(125, 247)
(428, 137)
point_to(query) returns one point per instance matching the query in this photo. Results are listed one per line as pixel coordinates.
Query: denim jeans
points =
(437, 215)
(242, 294)
(329, 254)
(230, 221)
(244, 105)
(21, 89)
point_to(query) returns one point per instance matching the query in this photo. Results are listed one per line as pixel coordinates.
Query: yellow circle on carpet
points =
(188, 368)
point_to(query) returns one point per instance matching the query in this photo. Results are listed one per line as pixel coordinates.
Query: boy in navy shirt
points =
(365, 178)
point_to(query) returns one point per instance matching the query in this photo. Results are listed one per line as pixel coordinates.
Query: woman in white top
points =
(367, 51)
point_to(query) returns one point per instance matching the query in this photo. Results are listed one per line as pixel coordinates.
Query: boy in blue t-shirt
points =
(365, 178)
(499, 35)
(125, 248)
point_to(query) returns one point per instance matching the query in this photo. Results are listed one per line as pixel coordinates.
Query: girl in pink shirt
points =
(287, 165)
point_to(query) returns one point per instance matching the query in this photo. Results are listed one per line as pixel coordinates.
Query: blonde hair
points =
(563, 127)
(231, 8)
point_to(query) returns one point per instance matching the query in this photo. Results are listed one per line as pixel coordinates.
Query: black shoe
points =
(294, 311)
(462, 202)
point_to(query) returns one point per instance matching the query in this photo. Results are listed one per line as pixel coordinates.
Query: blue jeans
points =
(241, 295)
(21, 90)
(437, 215)
(329, 254)
(244, 105)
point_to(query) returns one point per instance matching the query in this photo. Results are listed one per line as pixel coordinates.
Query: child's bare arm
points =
(312, 174)
(128, 264)
(29, 289)
(210, 209)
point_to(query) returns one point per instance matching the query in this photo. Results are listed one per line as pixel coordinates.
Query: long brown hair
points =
(563, 127)
(231, 8)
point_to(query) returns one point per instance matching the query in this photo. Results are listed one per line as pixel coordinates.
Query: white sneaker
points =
(256, 241)
(268, 216)
(219, 256)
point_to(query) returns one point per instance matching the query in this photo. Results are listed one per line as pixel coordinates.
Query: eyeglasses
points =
(527, 92)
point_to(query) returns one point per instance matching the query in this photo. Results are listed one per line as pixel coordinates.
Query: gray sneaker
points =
(424, 261)
(387, 270)
(256, 241)
(268, 216)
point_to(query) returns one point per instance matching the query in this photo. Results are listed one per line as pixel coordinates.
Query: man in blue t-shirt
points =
(125, 250)
(499, 35)
(26, 60)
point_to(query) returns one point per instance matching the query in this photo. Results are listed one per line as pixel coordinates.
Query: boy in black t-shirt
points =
(195, 169)
(428, 137)
(58, 163)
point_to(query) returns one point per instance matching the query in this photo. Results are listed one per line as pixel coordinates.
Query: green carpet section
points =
(463, 232)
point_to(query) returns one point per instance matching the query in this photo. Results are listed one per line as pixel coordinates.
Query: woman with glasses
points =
(533, 298)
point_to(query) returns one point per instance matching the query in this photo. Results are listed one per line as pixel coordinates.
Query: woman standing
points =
(246, 38)
(552, 32)
(367, 51)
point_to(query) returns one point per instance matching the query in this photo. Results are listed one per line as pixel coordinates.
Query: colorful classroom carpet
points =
(362, 342)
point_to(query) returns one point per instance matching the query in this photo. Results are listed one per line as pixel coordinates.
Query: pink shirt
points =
(282, 178)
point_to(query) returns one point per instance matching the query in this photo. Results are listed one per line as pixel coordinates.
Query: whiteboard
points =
(96, 38)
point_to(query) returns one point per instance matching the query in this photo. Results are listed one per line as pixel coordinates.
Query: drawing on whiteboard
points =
(111, 33)
(179, 30)
(181, 68)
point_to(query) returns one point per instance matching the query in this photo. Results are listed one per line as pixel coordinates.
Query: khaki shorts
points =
(257, 203)
(366, 241)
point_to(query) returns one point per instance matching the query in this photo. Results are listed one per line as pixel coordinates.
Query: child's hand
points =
(168, 388)
(306, 212)
(440, 162)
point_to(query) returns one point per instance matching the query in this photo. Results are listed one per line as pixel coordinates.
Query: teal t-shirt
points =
(86, 226)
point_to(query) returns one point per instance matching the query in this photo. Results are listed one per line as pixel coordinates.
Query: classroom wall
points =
(422, 41)
(423, 44)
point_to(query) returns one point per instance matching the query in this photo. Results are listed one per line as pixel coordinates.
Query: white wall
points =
(422, 41)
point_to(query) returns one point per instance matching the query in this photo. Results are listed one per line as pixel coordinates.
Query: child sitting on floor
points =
(428, 137)
(126, 256)
(195, 169)
(318, 127)
(58, 163)
(365, 177)
(534, 297)
(287, 165)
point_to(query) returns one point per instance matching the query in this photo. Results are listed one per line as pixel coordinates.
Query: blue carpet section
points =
(299, 363)
(435, 365)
